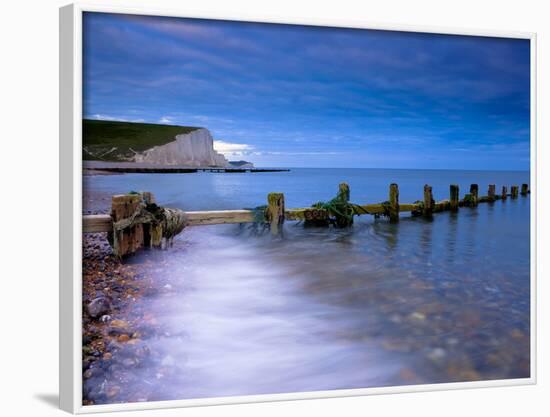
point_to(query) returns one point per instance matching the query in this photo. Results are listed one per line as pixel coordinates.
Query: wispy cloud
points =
(294, 94)
(232, 149)
(166, 120)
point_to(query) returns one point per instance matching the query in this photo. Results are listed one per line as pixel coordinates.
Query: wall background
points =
(29, 173)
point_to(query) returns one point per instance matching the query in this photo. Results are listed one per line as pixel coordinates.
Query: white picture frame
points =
(70, 286)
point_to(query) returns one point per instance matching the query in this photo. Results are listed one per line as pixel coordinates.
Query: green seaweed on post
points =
(340, 209)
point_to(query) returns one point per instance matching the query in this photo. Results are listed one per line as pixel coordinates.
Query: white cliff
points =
(194, 149)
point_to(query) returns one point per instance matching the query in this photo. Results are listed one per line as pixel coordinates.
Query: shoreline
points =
(115, 325)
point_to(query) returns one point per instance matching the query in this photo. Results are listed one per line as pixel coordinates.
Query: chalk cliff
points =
(191, 149)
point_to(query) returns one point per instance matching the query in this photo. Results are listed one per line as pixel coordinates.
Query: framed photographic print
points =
(265, 209)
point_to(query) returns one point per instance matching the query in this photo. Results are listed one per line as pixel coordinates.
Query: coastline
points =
(109, 336)
(117, 325)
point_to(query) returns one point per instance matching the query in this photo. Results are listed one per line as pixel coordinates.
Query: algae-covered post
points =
(514, 191)
(454, 192)
(428, 202)
(491, 192)
(343, 191)
(504, 192)
(276, 211)
(344, 219)
(394, 203)
(524, 189)
(474, 192)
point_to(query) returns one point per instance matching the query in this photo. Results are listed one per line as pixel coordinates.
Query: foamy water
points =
(378, 304)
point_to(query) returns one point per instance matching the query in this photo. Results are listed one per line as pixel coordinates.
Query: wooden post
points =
(276, 211)
(491, 192)
(504, 192)
(524, 189)
(343, 191)
(454, 196)
(129, 240)
(428, 201)
(344, 194)
(394, 203)
(148, 197)
(474, 192)
(514, 191)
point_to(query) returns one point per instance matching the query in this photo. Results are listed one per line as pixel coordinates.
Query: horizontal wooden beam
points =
(104, 223)
(96, 223)
(199, 218)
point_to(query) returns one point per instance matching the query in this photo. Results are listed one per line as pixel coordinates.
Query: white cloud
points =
(166, 120)
(232, 149)
(115, 119)
(105, 117)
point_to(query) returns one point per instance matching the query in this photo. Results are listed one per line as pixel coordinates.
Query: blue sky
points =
(298, 96)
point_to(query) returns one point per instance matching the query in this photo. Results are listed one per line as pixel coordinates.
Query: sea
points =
(314, 309)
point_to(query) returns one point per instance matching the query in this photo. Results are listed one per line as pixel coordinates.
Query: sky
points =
(304, 96)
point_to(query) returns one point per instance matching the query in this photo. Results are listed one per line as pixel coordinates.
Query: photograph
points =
(275, 208)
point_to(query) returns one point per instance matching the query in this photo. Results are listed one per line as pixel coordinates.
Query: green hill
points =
(119, 141)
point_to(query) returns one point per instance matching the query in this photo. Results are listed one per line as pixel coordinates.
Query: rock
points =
(123, 338)
(112, 391)
(119, 324)
(116, 331)
(98, 306)
(105, 318)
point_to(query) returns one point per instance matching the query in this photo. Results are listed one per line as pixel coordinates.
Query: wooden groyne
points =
(136, 221)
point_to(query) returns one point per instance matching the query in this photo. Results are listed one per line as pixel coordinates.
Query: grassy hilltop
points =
(119, 141)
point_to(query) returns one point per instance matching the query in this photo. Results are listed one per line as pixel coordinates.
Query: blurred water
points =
(374, 305)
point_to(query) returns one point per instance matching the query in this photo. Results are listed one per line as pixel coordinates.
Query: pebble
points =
(123, 338)
(98, 306)
(112, 391)
(105, 318)
(120, 324)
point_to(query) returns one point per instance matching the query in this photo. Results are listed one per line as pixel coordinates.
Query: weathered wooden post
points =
(130, 239)
(427, 210)
(276, 211)
(491, 192)
(454, 196)
(524, 189)
(504, 195)
(514, 191)
(394, 203)
(474, 192)
(344, 195)
(343, 191)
